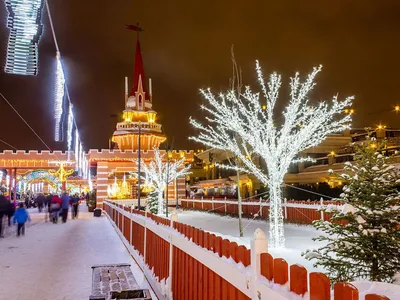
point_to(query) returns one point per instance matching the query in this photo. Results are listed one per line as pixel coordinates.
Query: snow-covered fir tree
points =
(160, 172)
(152, 202)
(363, 237)
(248, 126)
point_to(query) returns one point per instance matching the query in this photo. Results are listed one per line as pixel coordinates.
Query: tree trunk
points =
(160, 210)
(277, 239)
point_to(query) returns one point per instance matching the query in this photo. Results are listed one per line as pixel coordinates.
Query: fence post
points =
(202, 204)
(130, 222)
(192, 203)
(174, 218)
(144, 236)
(259, 245)
(285, 208)
(261, 210)
(212, 202)
(225, 204)
(123, 220)
(322, 212)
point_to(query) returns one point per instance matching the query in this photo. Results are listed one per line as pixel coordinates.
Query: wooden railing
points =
(183, 262)
(300, 212)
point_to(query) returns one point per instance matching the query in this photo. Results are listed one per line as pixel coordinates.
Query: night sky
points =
(186, 46)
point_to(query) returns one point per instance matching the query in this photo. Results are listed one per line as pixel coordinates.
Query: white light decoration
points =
(80, 164)
(159, 172)
(7, 180)
(70, 129)
(19, 185)
(59, 96)
(24, 21)
(245, 125)
(90, 181)
(76, 150)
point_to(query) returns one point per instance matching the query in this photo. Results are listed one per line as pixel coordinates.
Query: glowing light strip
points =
(70, 127)
(22, 50)
(76, 150)
(59, 96)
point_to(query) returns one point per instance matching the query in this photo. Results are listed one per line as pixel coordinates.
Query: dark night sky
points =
(186, 46)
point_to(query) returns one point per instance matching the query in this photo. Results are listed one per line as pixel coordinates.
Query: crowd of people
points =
(54, 207)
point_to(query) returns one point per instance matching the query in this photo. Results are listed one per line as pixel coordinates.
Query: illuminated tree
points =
(247, 126)
(160, 172)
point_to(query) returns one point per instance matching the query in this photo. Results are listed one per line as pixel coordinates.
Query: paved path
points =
(53, 261)
(36, 218)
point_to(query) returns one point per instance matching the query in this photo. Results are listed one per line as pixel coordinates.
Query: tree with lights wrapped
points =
(246, 125)
(363, 239)
(160, 172)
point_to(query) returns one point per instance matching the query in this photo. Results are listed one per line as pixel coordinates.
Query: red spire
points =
(138, 71)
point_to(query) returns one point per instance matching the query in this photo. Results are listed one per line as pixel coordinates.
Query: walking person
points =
(47, 207)
(66, 201)
(10, 211)
(55, 207)
(20, 217)
(41, 199)
(3, 212)
(75, 206)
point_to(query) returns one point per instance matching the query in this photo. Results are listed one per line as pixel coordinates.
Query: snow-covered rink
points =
(53, 261)
(298, 238)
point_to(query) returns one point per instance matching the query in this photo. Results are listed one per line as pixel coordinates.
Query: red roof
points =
(138, 71)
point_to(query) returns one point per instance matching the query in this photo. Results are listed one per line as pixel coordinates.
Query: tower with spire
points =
(139, 120)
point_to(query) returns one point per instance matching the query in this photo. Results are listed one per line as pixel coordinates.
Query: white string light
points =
(22, 50)
(59, 96)
(159, 172)
(244, 125)
(70, 130)
(76, 150)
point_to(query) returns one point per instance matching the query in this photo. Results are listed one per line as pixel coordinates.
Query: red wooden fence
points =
(193, 264)
(299, 212)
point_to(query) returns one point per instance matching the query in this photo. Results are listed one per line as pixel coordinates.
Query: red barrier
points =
(193, 280)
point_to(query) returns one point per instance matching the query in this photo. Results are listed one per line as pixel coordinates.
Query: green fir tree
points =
(152, 202)
(363, 237)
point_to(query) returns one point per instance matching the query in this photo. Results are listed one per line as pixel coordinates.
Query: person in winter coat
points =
(55, 207)
(10, 211)
(4, 206)
(40, 202)
(75, 205)
(20, 217)
(66, 201)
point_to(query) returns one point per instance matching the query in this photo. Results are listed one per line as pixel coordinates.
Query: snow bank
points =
(391, 291)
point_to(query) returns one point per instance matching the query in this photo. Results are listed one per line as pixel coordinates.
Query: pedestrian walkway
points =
(53, 261)
(36, 218)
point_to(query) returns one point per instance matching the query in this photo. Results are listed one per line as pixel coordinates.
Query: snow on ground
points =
(298, 238)
(53, 261)
(391, 291)
(35, 217)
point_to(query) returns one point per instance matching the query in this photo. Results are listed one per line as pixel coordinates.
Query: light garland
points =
(159, 172)
(80, 164)
(22, 50)
(76, 150)
(70, 129)
(244, 125)
(59, 96)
